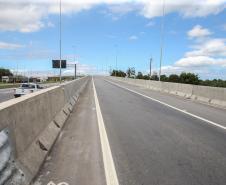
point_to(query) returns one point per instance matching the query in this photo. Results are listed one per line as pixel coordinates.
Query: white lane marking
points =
(109, 167)
(175, 108)
(61, 183)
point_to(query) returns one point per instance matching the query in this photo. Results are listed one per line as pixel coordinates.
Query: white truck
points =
(26, 88)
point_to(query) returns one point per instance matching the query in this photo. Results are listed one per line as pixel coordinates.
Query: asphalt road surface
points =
(6, 94)
(151, 143)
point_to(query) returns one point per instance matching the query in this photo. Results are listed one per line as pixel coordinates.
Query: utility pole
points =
(150, 66)
(60, 45)
(162, 39)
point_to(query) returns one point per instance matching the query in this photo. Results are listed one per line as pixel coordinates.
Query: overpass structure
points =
(111, 131)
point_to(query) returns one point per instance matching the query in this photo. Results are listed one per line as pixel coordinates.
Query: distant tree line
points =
(118, 73)
(5, 72)
(186, 78)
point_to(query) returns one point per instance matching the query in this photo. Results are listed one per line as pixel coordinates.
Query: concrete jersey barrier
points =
(29, 127)
(210, 95)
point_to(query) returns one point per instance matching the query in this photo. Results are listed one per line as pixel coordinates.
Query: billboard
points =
(56, 63)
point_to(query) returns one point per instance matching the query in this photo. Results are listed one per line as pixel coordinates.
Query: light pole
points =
(162, 39)
(75, 60)
(150, 66)
(116, 59)
(60, 44)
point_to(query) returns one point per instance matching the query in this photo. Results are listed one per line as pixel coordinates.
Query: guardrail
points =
(210, 95)
(29, 127)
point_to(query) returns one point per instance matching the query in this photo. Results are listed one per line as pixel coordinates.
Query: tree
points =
(174, 78)
(118, 73)
(189, 78)
(121, 73)
(113, 72)
(164, 78)
(154, 76)
(131, 72)
(5, 72)
(139, 75)
(146, 77)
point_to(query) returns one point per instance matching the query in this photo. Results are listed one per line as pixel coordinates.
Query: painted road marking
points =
(167, 105)
(61, 183)
(109, 167)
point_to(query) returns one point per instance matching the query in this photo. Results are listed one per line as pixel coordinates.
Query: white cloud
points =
(6, 45)
(133, 37)
(205, 72)
(150, 24)
(198, 31)
(209, 47)
(50, 24)
(171, 70)
(142, 33)
(81, 69)
(187, 8)
(200, 61)
(32, 15)
(123, 8)
(21, 16)
(224, 27)
(207, 58)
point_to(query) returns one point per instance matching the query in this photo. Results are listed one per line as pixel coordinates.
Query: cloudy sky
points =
(94, 32)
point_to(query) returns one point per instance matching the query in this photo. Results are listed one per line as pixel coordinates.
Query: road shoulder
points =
(76, 157)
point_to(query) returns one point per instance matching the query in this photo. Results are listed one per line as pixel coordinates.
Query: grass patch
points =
(5, 85)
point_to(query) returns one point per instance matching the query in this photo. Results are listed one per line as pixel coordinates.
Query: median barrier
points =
(184, 90)
(155, 85)
(166, 87)
(212, 95)
(32, 124)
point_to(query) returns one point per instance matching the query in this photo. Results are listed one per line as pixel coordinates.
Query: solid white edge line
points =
(109, 167)
(167, 105)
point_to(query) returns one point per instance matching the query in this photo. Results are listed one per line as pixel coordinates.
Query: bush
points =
(5, 72)
(140, 76)
(189, 78)
(118, 73)
(174, 78)
(164, 78)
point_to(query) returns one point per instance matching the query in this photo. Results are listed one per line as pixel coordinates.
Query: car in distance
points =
(26, 88)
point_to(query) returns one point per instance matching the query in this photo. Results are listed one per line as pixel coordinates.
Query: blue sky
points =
(97, 31)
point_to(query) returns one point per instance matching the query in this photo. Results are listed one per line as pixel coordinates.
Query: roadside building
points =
(5, 79)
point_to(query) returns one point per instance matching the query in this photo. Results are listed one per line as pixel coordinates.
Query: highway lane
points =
(204, 110)
(155, 144)
(6, 94)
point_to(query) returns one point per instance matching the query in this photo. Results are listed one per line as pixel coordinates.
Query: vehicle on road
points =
(26, 88)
